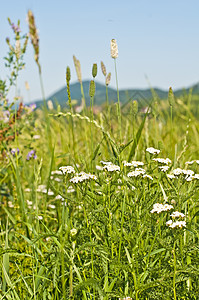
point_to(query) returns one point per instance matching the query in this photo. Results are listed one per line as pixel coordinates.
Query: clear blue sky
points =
(155, 38)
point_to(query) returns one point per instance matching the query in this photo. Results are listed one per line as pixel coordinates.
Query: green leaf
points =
(138, 135)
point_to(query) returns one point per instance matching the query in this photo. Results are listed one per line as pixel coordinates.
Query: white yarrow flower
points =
(159, 207)
(177, 214)
(163, 160)
(67, 169)
(178, 224)
(164, 168)
(153, 150)
(112, 168)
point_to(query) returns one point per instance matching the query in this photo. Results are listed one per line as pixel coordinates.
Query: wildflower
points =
(137, 172)
(15, 28)
(70, 189)
(162, 160)
(177, 214)
(114, 48)
(158, 208)
(56, 179)
(133, 164)
(36, 137)
(73, 232)
(171, 176)
(177, 171)
(41, 187)
(196, 176)
(191, 162)
(106, 162)
(30, 108)
(178, 224)
(40, 218)
(50, 193)
(147, 176)
(29, 203)
(82, 176)
(56, 172)
(67, 169)
(188, 172)
(111, 168)
(59, 197)
(99, 168)
(164, 168)
(10, 204)
(153, 150)
(189, 178)
(52, 206)
(31, 154)
(15, 151)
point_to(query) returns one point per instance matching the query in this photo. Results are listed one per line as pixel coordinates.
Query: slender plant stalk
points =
(118, 105)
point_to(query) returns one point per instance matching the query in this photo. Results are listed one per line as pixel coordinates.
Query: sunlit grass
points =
(96, 208)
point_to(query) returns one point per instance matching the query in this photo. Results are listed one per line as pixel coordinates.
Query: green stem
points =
(47, 120)
(174, 273)
(118, 105)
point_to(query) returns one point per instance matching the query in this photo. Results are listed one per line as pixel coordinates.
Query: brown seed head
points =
(108, 79)
(77, 68)
(103, 68)
(33, 33)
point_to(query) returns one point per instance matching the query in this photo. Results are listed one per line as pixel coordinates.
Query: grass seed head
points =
(171, 97)
(103, 68)
(33, 33)
(135, 108)
(108, 79)
(114, 49)
(77, 68)
(94, 70)
(68, 76)
(92, 88)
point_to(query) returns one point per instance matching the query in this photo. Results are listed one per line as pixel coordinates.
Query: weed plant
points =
(99, 205)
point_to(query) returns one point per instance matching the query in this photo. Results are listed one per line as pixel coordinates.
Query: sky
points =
(158, 42)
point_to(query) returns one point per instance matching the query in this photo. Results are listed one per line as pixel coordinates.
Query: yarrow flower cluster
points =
(178, 224)
(159, 207)
(82, 176)
(67, 169)
(191, 162)
(152, 150)
(109, 166)
(136, 172)
(133, 164)
(177, 214)
(164, 168)
(162, 160)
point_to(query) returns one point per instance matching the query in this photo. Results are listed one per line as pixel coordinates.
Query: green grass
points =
(95, 237)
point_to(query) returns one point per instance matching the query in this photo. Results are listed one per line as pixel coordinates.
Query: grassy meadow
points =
(97, 204)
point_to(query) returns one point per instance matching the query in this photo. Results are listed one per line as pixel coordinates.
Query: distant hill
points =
(141, 95)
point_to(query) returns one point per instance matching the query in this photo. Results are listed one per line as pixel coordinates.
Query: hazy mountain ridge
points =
(60, 97)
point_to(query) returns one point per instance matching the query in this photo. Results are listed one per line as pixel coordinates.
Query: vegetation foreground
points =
(97, 204)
